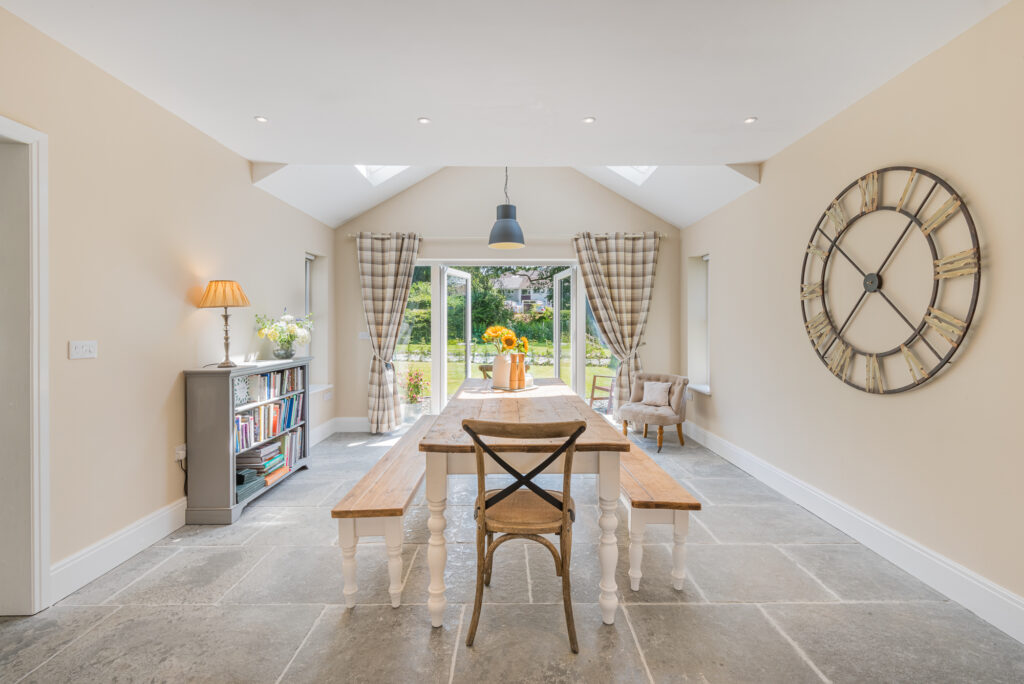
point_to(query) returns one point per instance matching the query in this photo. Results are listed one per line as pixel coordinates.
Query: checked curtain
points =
(386, 263)
(618, 275)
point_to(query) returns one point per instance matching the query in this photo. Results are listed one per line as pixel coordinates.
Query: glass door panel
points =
(457, 355)
(412, 353)
(563, 326)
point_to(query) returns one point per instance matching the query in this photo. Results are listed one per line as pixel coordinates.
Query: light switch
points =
(364, 334)
(83, 349)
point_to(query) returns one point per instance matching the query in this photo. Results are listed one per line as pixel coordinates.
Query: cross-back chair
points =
(524, 510)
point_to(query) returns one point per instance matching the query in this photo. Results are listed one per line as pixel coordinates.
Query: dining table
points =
(449, 450)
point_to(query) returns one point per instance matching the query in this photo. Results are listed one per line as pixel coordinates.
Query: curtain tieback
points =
(387, 364)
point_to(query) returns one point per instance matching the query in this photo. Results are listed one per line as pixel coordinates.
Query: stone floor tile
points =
(193, 575)
(105, 586)
(715, 643)
(855, 572)
(377, 644)
(26, 642)
(733, 490)
(508, 578)
(253, 519)
(301, 526)
(298, 491)
(517, 643)
(184, 643)
(769, 524)
(751, 573)
(901, 642)
(656, 583)
(312, 574)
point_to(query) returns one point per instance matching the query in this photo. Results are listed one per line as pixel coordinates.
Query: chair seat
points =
(524, 511)
(654, 415)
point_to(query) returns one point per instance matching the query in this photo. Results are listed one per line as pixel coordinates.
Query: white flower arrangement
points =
(285, 331)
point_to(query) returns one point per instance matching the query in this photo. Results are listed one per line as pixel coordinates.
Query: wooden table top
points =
(550, 401)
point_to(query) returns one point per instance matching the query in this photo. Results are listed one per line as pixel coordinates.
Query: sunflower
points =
(508, 341)
(525, 344)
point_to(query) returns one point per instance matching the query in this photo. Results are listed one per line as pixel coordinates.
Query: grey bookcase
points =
(210, 409)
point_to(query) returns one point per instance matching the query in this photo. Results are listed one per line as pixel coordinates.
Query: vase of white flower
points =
(285, 332)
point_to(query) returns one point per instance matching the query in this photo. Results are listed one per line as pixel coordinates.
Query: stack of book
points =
(267, 461)
(253, 388)
(247, 483)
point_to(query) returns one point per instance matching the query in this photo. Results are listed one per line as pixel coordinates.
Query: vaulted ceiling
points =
(669, 82)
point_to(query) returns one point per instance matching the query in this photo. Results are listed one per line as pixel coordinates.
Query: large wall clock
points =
(890, 280)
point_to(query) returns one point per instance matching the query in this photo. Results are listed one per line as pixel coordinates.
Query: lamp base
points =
(227, 364)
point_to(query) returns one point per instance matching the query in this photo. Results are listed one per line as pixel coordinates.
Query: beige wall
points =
(144, 210)
(941, 464)
(552, 204)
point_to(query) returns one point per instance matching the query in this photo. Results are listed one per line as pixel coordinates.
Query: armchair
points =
(673, 414)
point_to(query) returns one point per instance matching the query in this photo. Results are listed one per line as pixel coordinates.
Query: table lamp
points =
(223, 293)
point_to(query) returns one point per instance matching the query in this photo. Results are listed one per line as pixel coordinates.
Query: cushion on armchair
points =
(656, 393)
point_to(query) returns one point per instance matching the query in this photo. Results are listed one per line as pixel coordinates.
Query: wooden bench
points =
(652, 496)
(376, 507)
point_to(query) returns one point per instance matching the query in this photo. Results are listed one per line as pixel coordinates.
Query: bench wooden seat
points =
(652, 496)
(376, 507)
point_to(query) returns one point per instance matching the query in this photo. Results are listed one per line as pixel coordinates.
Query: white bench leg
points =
(347, 540)
(680, 526)
(393, 540)
(637, 527)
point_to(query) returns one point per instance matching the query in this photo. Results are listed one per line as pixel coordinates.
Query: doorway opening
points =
(450, 306)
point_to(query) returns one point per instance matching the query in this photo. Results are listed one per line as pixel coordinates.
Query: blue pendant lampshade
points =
(506, 232)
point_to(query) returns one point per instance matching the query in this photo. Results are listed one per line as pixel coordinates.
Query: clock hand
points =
(906, 229)
(839, 249)
(912, 326)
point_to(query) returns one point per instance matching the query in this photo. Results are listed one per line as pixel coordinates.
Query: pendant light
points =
(506, 232)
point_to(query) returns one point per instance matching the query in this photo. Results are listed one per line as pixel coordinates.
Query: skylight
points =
(634, 174)
(378, 174)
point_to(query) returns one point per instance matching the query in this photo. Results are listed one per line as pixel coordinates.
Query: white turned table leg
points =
(680, 526)
(637, 527)
(608, 551)
(437, 552)
(393, 541)
(347, 540)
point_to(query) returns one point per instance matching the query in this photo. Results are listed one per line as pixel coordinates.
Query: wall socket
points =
(364, 334)
(179, 452)
(83, 349)
(328, 395)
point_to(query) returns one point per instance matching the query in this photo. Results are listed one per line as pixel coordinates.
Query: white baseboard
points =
(988, 600)
(74, 572)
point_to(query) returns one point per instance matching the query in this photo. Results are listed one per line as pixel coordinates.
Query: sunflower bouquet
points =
(505, 341)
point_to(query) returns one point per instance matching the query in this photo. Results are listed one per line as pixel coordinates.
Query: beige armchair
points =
(642, 414)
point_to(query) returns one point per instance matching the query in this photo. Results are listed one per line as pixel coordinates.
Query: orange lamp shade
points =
(223, 293)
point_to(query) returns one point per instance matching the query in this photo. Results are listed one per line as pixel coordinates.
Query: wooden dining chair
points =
(486, 369)
(524, 510)
(609, 388)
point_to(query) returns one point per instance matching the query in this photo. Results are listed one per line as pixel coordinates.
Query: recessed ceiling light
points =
(261, 119)
(750, 120)
(423, 120)
(589, 119)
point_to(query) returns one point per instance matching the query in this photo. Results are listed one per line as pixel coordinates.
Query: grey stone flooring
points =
(773, 594)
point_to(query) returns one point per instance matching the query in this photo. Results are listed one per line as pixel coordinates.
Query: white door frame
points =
(38, 596)
(439, 330)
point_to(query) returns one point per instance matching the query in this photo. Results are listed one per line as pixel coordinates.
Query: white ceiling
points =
(343, 82)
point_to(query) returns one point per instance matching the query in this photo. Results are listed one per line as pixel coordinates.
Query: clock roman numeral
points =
(949, 327)
(943, 214)
(819, 329)
(873, 379)
(814, 250)
(917, 371)
(868, 192)
(837, 217)
(955, 265)
(839, 360)
(810, 291)
(906, 189)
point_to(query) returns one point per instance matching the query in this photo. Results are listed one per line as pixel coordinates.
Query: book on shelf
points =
(276, 475)
(245, 476)
(264, 386)
(290, 445)
(261, 423)
(243, 492)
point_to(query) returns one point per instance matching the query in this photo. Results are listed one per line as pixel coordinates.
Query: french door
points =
(452, 333)
(564, 323)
